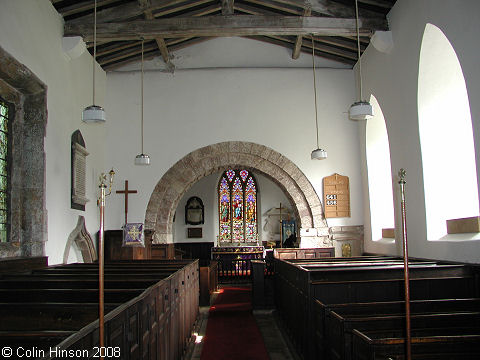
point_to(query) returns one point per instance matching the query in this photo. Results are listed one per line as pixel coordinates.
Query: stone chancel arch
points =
(209, 159)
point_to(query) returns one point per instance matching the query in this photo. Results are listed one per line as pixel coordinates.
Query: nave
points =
(270, 338)
(329, 308)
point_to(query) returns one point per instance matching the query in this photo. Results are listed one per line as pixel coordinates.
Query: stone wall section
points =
(28, 214)
(221, 156)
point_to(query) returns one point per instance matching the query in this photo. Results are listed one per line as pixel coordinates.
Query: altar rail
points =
(234, 263)
(233, 270)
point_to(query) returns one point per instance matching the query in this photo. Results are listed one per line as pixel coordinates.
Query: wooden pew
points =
(48, 316)
(72, 283)
(339, 323)
(322, 313)
(303, 282)
(150, 316)
(427, 344)
(67, 295)
(42, 341)
(208, 282)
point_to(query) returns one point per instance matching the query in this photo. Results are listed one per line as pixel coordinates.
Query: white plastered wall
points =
(269, 196)
(31, 31)
(190, 109)
(393, 79)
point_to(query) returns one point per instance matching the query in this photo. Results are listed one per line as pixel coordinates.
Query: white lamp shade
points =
(319, 154)
(361, 110)
(93, 114)
(142, 159)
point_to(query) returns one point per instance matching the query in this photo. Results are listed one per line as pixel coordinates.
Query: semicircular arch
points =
(212, 158)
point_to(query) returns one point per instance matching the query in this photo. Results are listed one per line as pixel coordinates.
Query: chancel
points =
(234, 216)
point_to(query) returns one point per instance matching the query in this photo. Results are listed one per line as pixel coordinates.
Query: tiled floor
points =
(276, 342)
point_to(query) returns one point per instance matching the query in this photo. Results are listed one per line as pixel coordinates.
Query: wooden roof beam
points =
(298, 43)
(347, 55)
(227, 7)
(79, 7)
(180, 8)
(159, 40)
(334, 9)
(253, 10)
(293, 9)
(222, 26)
(124, 11)
(318, 51)
(376, 3)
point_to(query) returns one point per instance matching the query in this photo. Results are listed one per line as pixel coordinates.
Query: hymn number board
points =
(336, 192)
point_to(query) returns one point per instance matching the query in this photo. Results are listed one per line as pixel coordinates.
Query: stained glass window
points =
(224, 210)
(251, 211)
(230, 175)
(237, 211)
(237, 207)
(4, 145)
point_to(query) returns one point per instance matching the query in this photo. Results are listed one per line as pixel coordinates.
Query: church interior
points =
(183, 151)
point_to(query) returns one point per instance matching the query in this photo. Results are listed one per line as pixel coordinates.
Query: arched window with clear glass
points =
(237, 207)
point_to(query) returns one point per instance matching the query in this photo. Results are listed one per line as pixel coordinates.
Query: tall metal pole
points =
(408, 340)
(101, 248)
(101, 256)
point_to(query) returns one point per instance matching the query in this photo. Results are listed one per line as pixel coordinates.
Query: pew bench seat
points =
(427, 344)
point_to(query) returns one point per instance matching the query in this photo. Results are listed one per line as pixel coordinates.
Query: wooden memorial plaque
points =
(336, 196)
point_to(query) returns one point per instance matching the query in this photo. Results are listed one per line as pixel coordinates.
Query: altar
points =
(236, 260)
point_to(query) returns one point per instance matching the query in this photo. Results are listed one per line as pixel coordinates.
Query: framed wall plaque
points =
(336, 196)
(78, 171)
(194, 211)
(194, 233)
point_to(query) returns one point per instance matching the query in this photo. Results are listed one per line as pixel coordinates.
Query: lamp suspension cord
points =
(142, 91)
(94, 47)
(315, 89)
(358, 52)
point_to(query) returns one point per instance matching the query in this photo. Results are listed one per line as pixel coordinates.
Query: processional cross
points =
(126, 191)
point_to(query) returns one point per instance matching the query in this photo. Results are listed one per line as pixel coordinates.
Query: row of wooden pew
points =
(52, 313)
(354, 309)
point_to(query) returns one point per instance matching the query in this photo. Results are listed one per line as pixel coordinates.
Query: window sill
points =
(459, 237)
(384, 241)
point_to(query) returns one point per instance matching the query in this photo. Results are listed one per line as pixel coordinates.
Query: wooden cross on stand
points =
(126, 191)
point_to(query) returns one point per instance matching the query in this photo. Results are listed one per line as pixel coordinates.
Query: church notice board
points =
(336, 193)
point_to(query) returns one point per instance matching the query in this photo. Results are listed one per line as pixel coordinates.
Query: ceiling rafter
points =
(159, 40)
(134, 52)
(174, 45)
(287, 44)
(173, 24)
(320, 47)
(298, 42)
(227, 7)
(84, 6)
(279, 6)
(377, 3)
(180, 8)
(252, 10)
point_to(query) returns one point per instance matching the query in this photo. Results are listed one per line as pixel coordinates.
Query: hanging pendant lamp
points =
(142, 159)
(362, 109)
(317, 154)
(94, 113)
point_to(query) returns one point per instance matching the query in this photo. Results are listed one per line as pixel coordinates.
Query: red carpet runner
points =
(232, 332)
